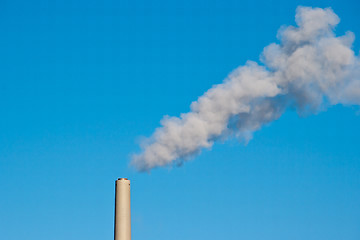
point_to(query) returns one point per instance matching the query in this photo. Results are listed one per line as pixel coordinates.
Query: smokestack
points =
(122, 226)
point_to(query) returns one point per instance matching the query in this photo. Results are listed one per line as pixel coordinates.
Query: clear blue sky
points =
(81, 81)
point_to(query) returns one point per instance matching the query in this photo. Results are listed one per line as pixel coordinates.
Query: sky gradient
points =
(82, 81)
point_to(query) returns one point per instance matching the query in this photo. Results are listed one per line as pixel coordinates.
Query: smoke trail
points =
(309, 70)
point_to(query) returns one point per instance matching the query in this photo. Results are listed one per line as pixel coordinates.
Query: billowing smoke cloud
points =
(309, 70)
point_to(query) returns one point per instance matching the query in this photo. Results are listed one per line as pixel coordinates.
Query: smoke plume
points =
(309, 70)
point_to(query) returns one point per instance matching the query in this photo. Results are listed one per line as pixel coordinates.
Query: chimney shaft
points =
(122, 228)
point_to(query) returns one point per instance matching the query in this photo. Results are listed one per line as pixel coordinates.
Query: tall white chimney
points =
(122, 228)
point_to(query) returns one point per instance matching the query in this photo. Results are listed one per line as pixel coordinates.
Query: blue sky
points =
(82, 81)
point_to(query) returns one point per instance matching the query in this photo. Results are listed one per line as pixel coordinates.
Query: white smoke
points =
(309, 70)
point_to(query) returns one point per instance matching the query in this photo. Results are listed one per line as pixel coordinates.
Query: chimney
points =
(122, 226)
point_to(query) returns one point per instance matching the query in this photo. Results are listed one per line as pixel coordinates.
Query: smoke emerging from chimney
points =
(309, 70)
